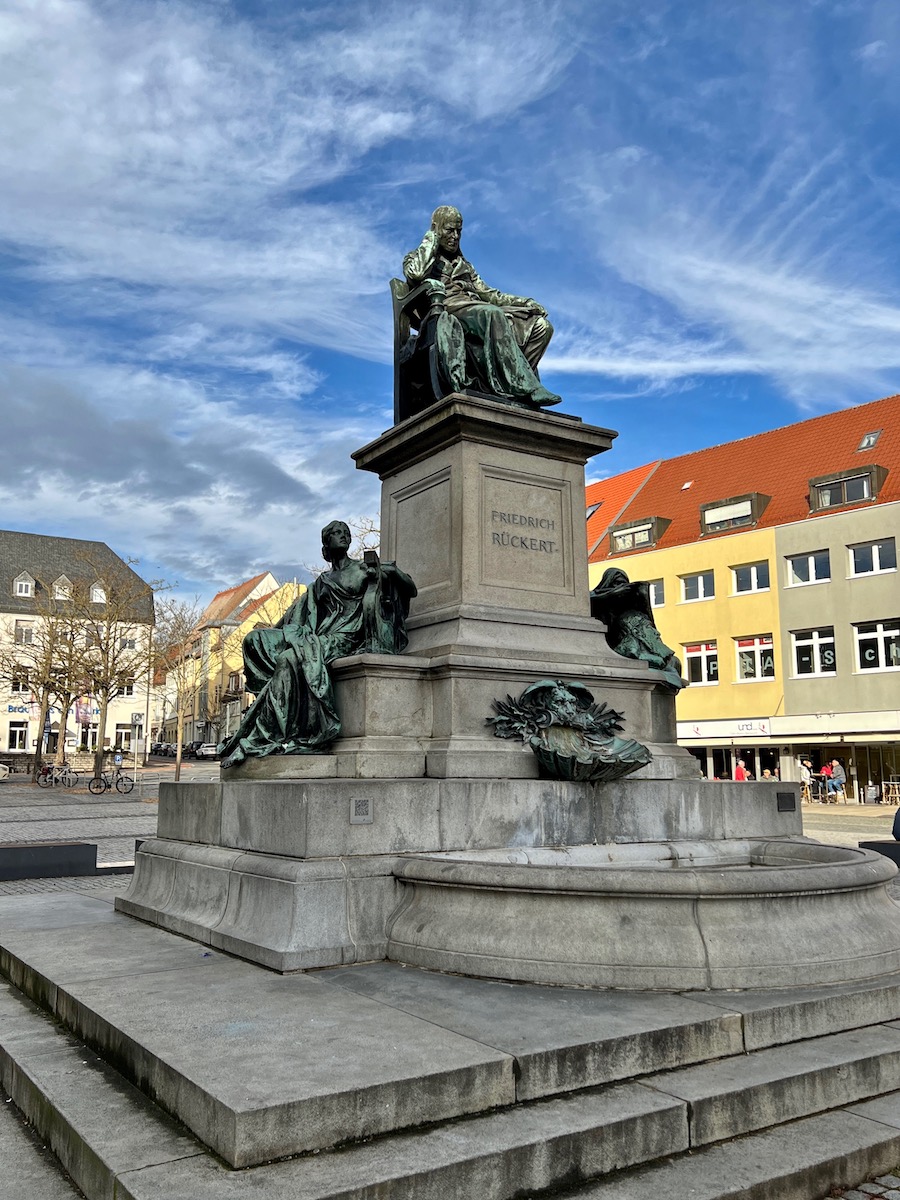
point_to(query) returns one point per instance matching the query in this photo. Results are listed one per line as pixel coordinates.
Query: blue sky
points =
(202, 204)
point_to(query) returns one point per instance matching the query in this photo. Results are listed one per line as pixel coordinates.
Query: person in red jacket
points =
(741, 774)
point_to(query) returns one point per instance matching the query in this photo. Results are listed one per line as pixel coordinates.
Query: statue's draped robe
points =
(344, 612)
(503, 334)
(625, 610)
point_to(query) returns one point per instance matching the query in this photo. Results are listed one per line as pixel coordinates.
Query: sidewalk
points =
(29, 813)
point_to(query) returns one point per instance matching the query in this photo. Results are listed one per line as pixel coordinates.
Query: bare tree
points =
(177, 654)
(113, 609)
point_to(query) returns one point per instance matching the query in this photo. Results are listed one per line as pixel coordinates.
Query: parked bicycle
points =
(52, 775)
(105, 782)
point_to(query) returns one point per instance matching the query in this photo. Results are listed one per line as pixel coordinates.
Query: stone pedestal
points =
(424, 838)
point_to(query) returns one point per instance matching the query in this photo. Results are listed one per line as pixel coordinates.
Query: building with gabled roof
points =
(773, 569)
(40, 575)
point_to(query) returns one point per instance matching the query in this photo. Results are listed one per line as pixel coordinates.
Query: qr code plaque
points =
(360, 810)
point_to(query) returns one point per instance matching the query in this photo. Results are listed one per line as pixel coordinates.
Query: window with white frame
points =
(752, 577)
(24, 633)
(728, 516)
(23, 585)
(98, 594)
(123, 736)
(19, 681)
(814, 567)
(702, 662)
(62, 589)
(128, 642)
(127, 688)
(814, 651)
(878, 645)
(873, 558)
(657, 593)
(18, 735)
(842, 491)
(698, 587)
(755, 657)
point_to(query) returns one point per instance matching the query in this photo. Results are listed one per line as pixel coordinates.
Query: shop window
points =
(755, 658)
(814, 651)
(702, 662)
(809, 568)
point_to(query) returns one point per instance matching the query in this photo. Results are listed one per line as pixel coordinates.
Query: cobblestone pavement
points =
(29, 813)
(886, 1186)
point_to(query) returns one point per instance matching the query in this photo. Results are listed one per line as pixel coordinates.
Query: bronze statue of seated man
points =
(488, 341)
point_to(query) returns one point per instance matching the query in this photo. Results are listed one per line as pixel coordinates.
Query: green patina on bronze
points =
(571, 736)
(355, 608)
(487, 341)
(624, 608)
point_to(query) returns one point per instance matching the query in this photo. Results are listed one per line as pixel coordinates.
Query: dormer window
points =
(845, 487)
(23, 585)
(62, 589)
(98, 593)
(637, 535)
(732, 513)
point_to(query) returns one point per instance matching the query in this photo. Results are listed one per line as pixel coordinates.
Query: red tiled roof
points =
(253, 605)
(612, 495)
(779, 463)
(224, 603)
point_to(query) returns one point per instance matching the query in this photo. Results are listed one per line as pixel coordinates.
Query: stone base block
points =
(282, 913)
(308, 819)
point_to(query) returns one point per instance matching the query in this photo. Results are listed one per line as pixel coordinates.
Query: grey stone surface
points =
(287, 914)
(306, 1065)
(312, 819)
(501, 1155)
(768, 1087)
(29, 1171)
(804, 1159)
(816, 914)
(96, 1123)
(782, 1015)
(561, 1038)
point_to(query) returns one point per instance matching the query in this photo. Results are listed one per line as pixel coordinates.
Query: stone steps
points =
(114, 1141)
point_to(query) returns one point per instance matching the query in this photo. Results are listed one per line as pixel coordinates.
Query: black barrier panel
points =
(787, 801)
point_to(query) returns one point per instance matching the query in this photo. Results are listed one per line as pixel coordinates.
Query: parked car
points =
(189, 750)
(207, 750)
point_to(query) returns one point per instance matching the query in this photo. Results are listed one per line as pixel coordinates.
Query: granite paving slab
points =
(259, 1066)
(803, 1160)
(767, 1087)
(29, 1170)
(562, 1038)
(775, 1016)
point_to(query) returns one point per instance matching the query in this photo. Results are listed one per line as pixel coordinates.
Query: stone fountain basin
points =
(777, 912)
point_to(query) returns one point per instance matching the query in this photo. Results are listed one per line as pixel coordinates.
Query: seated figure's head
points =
(336, 538)
(447, 222)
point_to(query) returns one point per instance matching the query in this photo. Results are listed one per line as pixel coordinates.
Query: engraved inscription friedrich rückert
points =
(518, 541)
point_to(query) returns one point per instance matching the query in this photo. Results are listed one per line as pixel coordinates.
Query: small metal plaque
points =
(361, 810)
(787, 801)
